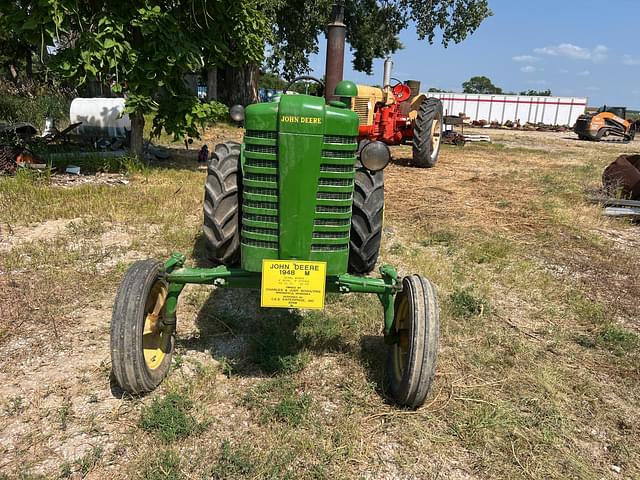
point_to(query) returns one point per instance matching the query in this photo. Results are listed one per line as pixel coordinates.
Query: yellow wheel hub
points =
(402, 327)
(154, 340)
(435, 135)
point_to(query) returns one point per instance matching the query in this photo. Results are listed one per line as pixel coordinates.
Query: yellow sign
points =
(293, 284)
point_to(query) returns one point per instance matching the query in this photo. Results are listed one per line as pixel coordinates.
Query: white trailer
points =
(502, 108)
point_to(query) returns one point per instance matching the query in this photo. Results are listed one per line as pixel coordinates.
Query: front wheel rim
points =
(435, 136)
(400, 349)
(153, 336)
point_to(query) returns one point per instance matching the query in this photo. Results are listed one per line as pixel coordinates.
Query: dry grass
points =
(539, 358)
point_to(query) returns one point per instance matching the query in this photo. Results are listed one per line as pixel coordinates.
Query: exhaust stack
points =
(336, 37)
(386, 77)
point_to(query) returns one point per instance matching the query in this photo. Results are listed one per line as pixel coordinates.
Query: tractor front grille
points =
(340, 139)
(361, 107)
(334, 195)
(260, 197)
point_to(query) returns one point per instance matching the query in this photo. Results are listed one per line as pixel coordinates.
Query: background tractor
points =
(398, 114)
(295, 211)
(606, 124)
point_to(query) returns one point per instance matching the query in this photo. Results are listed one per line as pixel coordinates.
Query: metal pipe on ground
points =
(336, 37)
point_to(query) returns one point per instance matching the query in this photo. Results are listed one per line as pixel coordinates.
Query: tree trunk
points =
(212, 84)
(238, 85)
(29, 63)
(137, 134)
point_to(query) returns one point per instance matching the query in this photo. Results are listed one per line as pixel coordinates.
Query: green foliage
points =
(271, 81)
(435, 90)
(373, 28)
(279, 400)
(163, 465)
(185, 115)
(232, 462)
(618, 340)
(170, 418)
(537, 93)
(480, 85)
(33, 109)
(465, 304)
(144, 48)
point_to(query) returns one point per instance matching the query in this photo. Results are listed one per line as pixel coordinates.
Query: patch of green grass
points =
(618, 340)
(439, 237)
(274, 347)
(232, 462)
(170, 418)
(278, 400)
(586, 311)
(490, 250)
(464, 303)
(162, 465)
(320, 332)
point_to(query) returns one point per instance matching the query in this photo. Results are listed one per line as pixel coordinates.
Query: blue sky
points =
(584, 48)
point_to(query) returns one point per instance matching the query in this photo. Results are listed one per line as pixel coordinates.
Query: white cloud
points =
(593, 89)
(598, 54)
(584, 73)
(635, 92)
(525, 58)
(629, 60)
(528, 69)
(563, 70)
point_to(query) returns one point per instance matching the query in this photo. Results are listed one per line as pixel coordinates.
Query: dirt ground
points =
(539, 358)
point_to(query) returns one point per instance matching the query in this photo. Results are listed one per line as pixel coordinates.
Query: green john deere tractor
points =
(295, 211)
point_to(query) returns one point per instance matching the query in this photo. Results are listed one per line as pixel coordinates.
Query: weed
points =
(64, 413)
(277, 399)
(14, 405)
(397, 249)
(490, 250)
(465, 304)
(170, 418)
(232, 462)
(90, 460)
(319, 332)
(163, 465)
(178, 361)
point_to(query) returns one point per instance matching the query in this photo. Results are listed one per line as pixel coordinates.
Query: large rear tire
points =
(427, 133)
(222, 205)
(411, 362)
(141, 349)
(366, 220)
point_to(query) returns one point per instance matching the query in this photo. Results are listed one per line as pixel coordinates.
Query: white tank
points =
(100, 117)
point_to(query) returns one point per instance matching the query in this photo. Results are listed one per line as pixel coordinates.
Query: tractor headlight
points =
(375, 156)
(237, 113)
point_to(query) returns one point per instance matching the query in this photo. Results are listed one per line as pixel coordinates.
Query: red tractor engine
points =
(399, 114)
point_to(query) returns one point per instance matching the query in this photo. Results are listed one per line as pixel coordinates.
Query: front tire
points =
(366, 220)
(141, 349)
(221, 209)
(411, 361)
(427, 133)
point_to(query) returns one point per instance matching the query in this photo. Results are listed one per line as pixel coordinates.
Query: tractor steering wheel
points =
(307, 77)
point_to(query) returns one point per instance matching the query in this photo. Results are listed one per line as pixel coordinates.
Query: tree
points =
(480, 85)
(143, 48)
(372, 28)
(537, 93)
(435, 90)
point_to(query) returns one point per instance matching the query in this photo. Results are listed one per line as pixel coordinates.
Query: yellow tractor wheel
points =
(411, 361)
(141, 346)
